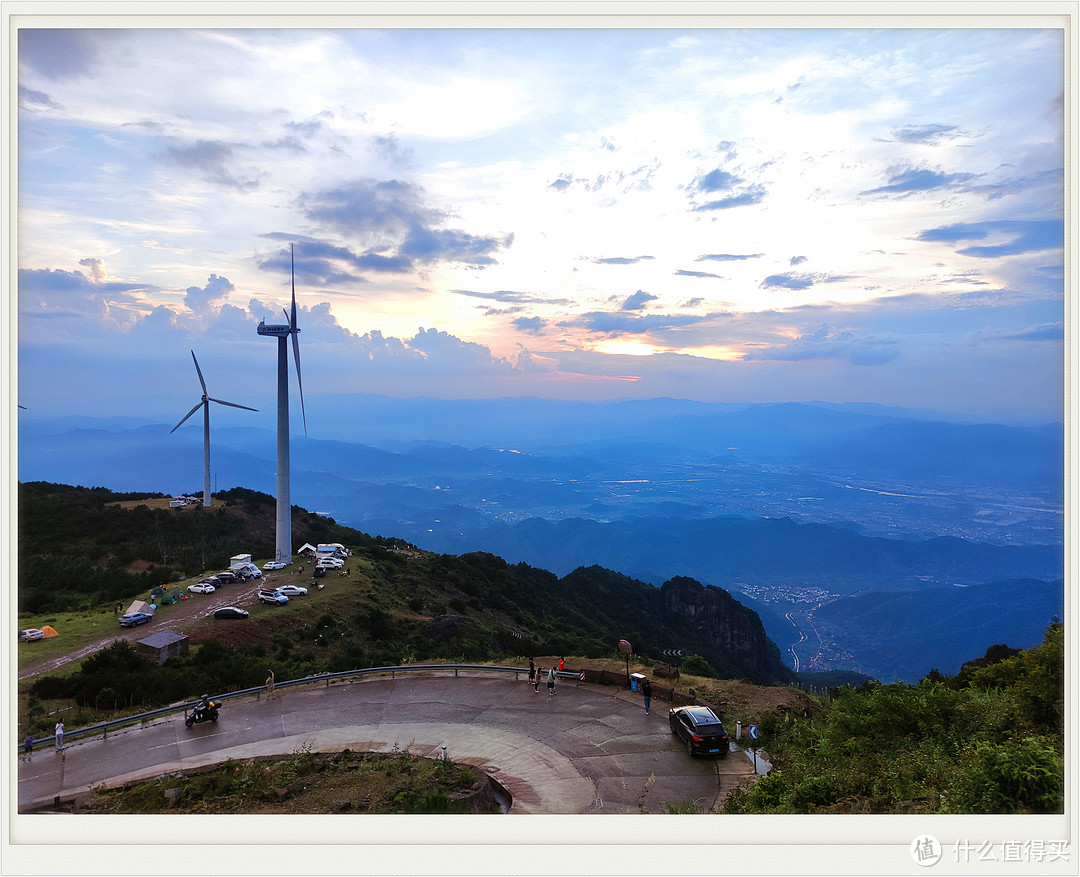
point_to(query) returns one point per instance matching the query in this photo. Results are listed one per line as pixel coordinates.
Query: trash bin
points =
(635, 681)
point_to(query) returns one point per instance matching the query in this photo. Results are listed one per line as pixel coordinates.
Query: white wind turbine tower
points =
(205, 405)
(283, 539)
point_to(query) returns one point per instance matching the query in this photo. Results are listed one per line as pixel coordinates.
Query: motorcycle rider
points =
(202, 706)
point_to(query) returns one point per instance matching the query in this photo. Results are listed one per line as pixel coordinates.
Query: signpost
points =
(752, 731)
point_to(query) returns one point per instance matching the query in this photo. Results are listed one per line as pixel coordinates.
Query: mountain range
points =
(793, 508)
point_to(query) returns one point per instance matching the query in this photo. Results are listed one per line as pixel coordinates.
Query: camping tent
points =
(49, 631)
(140, 606)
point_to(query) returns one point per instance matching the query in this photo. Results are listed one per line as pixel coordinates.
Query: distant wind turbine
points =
(284, 503)
(205, 405)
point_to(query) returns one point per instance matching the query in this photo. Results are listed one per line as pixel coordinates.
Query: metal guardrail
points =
(103, 728)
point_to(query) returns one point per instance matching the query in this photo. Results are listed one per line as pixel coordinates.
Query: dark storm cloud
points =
(728, 257)
(211, 158)
(638, 300)
(391, 218)
(1025, 236)
(622, 260)
(509, 297)
(918, 180)
(60, 54)
(927, 134)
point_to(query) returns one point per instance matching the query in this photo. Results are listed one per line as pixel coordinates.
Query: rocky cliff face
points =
(731, 625)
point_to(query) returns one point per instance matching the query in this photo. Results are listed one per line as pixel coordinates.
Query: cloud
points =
(60, 53)
(391, 219)
(1024, 236)
(905, 180)
(735, 193)
(824, 344)
(98, 273)
(510, 297)
(608, 323)
(532, 325)
(797, 260)
(217, 289)
(638, 300)
(788, 281)
(1039, 333)
(930, 135)
(727, 257)
(622, 260)
(31, 100)
(211, 157)
(795, 280)
(682, 272)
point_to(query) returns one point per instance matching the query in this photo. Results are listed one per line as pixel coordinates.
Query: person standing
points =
(551, 681)
(28, 747)
(59, 732)
(536, 681)
(646, 692)
(562, 664)
(532, 670)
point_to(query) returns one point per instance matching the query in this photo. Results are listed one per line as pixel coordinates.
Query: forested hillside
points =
(81, 548)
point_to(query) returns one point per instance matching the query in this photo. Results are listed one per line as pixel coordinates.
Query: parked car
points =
(227, 577)
(292, 591)
(275, 564)
(135, 618)
(319, 572)
(230, 612)
(201, 588)
(700, 728)
(272, 597)
(31, 634)
(210, 580)
(331, 562)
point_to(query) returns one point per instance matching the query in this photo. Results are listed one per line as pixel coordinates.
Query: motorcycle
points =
(203, 712)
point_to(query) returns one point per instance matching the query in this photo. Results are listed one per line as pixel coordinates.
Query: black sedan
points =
(700, 729)
(230, 612)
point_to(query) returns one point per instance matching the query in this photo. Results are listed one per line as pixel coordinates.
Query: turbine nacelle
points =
(276, 331)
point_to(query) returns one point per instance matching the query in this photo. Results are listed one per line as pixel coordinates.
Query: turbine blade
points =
(231, 404)
(292, 275)
(199, 370)
(296, 356)
(186, 416)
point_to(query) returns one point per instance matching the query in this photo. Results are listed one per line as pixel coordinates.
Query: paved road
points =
(588, 749)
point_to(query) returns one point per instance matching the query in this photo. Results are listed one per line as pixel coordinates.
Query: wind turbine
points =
(283, 539)
(205, 405)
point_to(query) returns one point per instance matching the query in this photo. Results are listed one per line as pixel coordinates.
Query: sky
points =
(730, 215)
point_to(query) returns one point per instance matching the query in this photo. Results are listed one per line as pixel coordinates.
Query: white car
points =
(331, 563)
(275, 564)
(28, 636)
(201, 588)
(292, 591)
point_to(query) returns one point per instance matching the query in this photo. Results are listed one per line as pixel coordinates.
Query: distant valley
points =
(801, 511)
